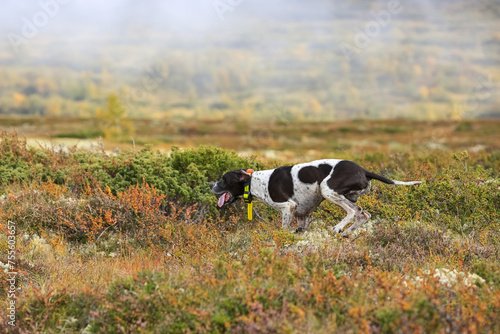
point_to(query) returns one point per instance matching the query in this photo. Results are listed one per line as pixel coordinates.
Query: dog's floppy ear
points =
(243, 176)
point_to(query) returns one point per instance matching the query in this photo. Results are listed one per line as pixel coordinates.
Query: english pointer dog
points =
(296, 191)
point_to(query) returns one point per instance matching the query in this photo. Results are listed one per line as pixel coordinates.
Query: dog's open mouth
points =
(224, 198)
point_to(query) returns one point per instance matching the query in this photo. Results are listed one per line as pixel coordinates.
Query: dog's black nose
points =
(211, 185)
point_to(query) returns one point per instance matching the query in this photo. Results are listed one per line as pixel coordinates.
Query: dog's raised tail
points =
(374, 176)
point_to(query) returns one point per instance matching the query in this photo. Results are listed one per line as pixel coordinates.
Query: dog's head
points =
(231, 187)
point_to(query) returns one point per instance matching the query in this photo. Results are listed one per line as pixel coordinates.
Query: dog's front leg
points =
(288, 211)
(303, 223)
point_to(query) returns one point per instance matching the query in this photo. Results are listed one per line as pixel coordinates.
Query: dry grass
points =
(282, 140)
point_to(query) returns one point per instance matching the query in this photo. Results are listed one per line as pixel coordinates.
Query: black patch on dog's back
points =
(348, 178)
(281, 184)
(311, 174)
(325, 169)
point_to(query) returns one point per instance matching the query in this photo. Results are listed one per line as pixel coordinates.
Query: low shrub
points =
(82, 134)
(183, 175)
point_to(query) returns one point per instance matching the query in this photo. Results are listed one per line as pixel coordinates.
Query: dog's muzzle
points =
(223, 197)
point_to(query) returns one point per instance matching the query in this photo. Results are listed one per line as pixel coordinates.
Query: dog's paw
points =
(300, 230)
(346, 235)
(336, 230)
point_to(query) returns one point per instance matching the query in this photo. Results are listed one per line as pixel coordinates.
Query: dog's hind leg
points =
(361, 219)
(353, 210)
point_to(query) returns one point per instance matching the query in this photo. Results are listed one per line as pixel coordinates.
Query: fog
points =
(79, 21)
(318, 46)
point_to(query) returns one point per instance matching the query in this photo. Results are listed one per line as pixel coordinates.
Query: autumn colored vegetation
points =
(131, 240)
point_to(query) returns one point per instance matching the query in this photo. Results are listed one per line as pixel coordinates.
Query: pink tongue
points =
(224, 197)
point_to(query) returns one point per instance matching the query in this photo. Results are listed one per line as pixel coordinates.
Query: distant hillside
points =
(280, 60)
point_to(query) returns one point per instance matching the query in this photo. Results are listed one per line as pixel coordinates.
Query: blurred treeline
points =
(432, 61)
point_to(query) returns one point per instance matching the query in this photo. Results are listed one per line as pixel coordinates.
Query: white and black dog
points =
(297, 190)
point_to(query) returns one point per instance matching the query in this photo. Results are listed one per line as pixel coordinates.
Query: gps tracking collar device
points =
(247, 196)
